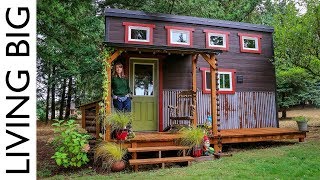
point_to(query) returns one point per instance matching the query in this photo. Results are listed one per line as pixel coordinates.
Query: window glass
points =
(179, 37)
(143, 79)
(249, 43)
(216, 40)
(224, 81)
(139, 34)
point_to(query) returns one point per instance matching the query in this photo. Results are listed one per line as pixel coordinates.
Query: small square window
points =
(177, 36)
(138, 33)
(180, 37)
(217, 39)
(226, 81)
(250, 43)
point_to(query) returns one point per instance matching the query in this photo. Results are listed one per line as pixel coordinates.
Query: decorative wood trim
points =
(194, 87)
(169, 28)
(214, 97)
(207, 31)
(258, 36)
(108, 98)
(160, 95)
(203, 76)
(83, 117)
(126, 35)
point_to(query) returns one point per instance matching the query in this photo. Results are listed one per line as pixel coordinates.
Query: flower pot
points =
(122, 134)
(118, 166)
(302, 125)
(196, 151)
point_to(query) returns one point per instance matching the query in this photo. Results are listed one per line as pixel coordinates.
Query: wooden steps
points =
(161, 148)
(160, 160)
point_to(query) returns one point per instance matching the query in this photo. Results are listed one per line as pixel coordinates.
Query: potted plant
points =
(119, 121)
(302, 123)
(110, 155)
(193, 137)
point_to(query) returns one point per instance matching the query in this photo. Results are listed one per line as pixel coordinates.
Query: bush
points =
(71, 144)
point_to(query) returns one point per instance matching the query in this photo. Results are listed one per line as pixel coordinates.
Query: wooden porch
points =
(152, 139)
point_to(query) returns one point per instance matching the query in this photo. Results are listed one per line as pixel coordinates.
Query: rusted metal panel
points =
(239, 110)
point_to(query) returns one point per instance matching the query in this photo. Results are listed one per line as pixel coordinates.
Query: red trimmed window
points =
(217, 39)
(136, 33)
(250, 43)
(179, 36)
(226, 79)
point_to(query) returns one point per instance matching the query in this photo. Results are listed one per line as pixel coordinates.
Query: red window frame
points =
(126, 36)
(233, 81)
(207, 31)
(169, 28)
(251, 36)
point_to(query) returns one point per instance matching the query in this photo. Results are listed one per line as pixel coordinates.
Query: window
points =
(138, 33)
(226, 80)
(217, 39)
(250, 43)
(179, 36)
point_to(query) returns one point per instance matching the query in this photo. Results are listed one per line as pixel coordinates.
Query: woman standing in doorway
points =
(120, 89)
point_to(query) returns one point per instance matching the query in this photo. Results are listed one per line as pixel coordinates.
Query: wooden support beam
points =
(108, 98)
(83, 117)
(194, 87)
(213, 70)
(97, 121)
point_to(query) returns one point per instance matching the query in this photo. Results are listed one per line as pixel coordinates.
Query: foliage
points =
(71, 144)
(119, 119)
(192, 136)
(297, 37)
(108, 153)
(41, 113)
(301, 119)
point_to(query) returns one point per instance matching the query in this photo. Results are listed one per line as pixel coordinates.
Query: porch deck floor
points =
(227, 136)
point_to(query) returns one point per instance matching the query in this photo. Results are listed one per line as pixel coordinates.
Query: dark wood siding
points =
(256, 69)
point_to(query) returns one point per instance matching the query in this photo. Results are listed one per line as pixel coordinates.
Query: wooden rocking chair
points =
(184, 109)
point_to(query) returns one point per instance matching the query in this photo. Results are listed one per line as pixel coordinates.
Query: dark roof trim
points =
(185, 19)
(161, 49)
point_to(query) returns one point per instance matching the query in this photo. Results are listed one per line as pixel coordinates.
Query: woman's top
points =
(120, 86)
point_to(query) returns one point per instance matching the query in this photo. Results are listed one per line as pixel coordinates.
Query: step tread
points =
(161, 148)
(160, 160)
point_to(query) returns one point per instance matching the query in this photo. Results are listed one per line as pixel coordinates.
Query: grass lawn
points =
(280, 160)
(297, 161)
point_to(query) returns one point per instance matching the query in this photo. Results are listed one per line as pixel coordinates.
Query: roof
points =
(185, 19)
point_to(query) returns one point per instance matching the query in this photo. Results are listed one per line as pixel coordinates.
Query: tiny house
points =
(228, 65)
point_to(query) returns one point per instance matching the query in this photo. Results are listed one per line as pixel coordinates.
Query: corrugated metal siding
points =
(239, 110)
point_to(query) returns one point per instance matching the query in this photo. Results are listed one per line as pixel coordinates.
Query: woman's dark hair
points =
(114, 73)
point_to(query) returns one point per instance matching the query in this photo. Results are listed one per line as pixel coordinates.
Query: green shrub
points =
(301, 119)
(71, 144)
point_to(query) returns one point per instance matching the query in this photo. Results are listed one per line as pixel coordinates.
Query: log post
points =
(194, 88)
(213, 70)
(110, 59)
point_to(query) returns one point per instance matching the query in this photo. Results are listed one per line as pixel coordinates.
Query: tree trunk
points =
(53, 92)
(69, 98)
(48, 99)
(63, 96)
(284, 113)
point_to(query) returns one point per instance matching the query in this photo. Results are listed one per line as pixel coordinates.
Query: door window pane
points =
(143, 79)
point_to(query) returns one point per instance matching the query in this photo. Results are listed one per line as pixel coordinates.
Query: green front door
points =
(144, 86)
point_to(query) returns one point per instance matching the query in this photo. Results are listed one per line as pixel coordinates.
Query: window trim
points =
(131, 25)
(172, 28)
(256, 37)
(214, 32)
(204, 70)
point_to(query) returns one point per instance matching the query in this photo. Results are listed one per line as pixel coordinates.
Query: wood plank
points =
(160, 160)
(194, 87)
(83, 117)
(161, 148)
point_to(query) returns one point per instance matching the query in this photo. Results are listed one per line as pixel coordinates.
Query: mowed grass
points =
(297, 161)
(280, 161)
